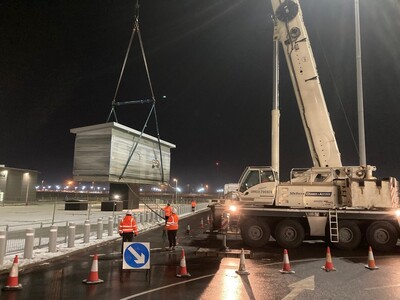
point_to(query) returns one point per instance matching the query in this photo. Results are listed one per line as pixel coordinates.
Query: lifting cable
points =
(133, 192)
(152, 100)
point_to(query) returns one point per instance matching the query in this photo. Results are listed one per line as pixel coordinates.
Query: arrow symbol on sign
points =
(305, 284)
(139, 258)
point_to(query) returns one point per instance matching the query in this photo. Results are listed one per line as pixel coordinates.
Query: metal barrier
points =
(48, 234)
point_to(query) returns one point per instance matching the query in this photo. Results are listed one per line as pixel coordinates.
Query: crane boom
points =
(292, 34)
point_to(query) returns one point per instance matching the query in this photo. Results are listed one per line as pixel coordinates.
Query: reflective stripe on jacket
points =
(172, 223)
(128, 224)
(168, 211)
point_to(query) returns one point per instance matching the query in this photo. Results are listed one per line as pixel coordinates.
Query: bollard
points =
(86, 232)
(53, 238)
(3, 243)
(29, 239)
(71, 235)
(110, 226)
(147, 217)
(144, 217)
(66, 231)
(144, 220)
(224, 246)
(99, 228)
(152, 217)
(141, 218)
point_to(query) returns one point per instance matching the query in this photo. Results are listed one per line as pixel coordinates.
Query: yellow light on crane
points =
(233, 208)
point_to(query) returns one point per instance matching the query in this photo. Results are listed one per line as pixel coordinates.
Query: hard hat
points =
(129, 212)
(174, 211)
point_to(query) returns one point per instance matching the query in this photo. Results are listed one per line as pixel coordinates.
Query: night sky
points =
(60, 62)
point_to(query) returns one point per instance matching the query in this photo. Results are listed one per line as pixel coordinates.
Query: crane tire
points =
(349, 235)
(255, 232)
(289, 233)
(382, 236)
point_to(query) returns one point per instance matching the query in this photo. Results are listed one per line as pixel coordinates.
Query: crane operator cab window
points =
(252, 178)
(267, 176)
(258, 185)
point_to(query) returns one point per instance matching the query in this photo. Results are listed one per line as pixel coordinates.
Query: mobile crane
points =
(341, 204)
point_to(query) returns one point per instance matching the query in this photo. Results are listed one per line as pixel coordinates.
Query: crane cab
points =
(258, 184)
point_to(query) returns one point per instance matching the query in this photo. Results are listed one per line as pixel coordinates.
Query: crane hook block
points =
(287, 11)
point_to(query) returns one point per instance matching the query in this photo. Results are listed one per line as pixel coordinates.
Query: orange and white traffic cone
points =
(94, 274)
(12, 282)
(201, 223)
(242, 267)
(371, 261)
(286, 264)
(182, 268)
(328, 263)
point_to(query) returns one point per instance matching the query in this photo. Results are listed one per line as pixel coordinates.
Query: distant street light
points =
(27, 178)
(176, 190)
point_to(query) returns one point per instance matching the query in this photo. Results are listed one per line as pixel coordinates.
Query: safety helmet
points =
(129, 212)
(174, 211)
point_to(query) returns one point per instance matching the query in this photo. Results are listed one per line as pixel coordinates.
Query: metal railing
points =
(15, 235)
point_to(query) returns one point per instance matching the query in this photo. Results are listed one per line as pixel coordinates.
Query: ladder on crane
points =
(333, 226)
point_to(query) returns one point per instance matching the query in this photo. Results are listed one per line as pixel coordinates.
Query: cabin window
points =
(252, 179)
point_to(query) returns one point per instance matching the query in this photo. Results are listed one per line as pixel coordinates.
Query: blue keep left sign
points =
(136, 255)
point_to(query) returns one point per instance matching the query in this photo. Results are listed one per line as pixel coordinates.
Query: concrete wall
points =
(17, 185)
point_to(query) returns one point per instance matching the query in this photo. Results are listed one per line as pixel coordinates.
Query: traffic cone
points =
(188, 229)
(12, 282)
(286, 264)
(371, 261)
(94, 274)
(242, 267)
(201, 223)
(328, 264)
(182, 268)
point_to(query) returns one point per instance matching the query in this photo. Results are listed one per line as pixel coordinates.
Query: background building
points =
(17, 185)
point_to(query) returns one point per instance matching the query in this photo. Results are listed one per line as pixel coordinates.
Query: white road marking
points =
(304, 284)
(167, 286)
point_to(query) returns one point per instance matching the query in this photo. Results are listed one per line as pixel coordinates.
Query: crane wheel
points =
(382, 236)
(349, 235)
(289, 233)
(255, 232)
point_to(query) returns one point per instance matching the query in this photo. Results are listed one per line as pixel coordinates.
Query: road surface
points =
(213, 277)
